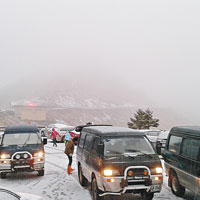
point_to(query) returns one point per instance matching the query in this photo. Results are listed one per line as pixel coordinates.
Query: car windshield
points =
(21, 139)
(121, 145)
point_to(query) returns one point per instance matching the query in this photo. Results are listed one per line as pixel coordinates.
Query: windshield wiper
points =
(5, 145)
(26, 140)
(141, 152)
(122, 154)
(115, 152)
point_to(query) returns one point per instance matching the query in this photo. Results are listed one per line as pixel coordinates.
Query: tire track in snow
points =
(64, 185)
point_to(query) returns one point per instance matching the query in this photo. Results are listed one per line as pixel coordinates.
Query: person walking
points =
(69, 150)
(54, 135)
(67, 138)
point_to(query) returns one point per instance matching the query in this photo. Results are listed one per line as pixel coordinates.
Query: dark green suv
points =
(182, 159)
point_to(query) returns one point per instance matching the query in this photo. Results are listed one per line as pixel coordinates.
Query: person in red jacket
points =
(54, 135)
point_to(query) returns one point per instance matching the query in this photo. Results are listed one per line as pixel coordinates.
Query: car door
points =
(86, 161)
(190, 162)
(80, 146)
(95, 158)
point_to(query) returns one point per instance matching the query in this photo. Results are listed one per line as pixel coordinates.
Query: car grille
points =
(138, 176)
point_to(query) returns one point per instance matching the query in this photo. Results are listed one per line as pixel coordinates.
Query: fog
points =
(139, 51)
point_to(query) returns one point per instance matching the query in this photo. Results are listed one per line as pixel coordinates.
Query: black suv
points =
(21, 149)
(117, 160)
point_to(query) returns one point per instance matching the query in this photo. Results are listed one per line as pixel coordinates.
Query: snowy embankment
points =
(56, 184)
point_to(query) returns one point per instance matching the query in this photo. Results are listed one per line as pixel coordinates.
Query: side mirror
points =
(44, 140)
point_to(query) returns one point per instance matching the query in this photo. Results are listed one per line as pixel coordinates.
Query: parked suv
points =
(21, 149)
(117, 160)
(182, 159)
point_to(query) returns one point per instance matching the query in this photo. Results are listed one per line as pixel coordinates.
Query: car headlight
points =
(39, 154)
(5, 156)
(157, 170)
(109, 172)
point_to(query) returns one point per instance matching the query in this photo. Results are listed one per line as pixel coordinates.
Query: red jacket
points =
(54, 133)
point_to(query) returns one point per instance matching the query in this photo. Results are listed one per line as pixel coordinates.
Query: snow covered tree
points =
(143, 120)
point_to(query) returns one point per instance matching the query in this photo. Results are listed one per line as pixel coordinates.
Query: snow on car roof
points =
(112, 130)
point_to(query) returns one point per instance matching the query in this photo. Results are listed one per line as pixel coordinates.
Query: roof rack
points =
(80, 127)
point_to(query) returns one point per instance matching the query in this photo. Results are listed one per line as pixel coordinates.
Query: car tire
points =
(3, 175)
(41, 172)
(82, 180)
(95, 191)
(176, 188)
(147, 195)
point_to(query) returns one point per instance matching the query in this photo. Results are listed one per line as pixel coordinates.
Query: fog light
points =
(25, 155)
(146, 172)
(130, 173)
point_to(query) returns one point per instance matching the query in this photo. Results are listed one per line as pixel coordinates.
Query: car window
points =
(95, 145)
(89, 142)
(123, 145)
(190, 148)
(175, 144)
(82, 139)
(21, 139)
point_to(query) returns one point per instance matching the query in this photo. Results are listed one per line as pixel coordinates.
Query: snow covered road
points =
(56, 184)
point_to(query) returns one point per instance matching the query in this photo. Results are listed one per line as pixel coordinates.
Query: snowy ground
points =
(56, 184)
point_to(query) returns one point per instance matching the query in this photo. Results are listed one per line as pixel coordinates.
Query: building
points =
(30, 112)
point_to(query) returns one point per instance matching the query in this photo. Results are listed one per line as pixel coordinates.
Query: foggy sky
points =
(146, 46)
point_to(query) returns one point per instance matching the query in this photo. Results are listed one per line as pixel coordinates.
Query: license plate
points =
(139, 177)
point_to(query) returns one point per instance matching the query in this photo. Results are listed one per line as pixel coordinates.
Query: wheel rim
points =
(94, 189)
(174, 184)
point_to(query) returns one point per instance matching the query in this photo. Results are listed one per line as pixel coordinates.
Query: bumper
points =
(9, 165)
(117, 186)
(120, 185)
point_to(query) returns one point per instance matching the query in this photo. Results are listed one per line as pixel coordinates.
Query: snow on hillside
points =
(74, 110)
